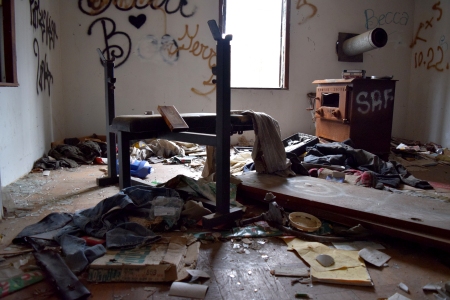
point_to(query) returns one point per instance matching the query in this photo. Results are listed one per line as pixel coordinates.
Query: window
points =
(260, 44)
(8, 75)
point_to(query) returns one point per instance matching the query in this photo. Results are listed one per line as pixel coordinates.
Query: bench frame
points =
(221, 140)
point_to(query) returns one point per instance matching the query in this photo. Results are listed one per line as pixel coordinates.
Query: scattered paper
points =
(188, 290)
(46, 173)
(431, 287)
(357, 245)
(374, 256)
(403, 287)
(196, 274)
(397, 296)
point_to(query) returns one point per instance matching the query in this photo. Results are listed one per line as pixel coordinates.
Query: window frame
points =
(285, 72)
(9, 44)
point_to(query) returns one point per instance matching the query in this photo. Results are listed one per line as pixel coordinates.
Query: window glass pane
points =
(256, 47)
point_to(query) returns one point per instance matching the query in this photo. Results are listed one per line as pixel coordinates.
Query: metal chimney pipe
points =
(372, 39)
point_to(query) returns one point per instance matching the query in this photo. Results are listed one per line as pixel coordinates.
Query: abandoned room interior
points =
(225, 149)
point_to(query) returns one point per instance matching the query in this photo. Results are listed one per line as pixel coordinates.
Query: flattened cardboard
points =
(159, 262)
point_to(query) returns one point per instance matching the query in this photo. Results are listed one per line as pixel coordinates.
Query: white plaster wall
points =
(28, 121)
(429, 109)
(143, 85)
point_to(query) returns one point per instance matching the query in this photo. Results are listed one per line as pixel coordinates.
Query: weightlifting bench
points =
(213, 129)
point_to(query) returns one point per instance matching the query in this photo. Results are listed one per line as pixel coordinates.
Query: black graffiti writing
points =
(96, 7)
(41, 19)
(44, 77)
(112, 51)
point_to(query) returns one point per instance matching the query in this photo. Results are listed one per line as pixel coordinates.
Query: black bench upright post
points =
(110, 112)
(223, 213)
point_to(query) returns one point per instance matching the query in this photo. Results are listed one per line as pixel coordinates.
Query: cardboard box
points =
(159, 262)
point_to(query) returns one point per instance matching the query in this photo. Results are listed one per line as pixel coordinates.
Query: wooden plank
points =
(419, 219)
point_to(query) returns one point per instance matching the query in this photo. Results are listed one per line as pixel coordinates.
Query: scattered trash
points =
(374, 256)
(46, 173)
(398, 296)
(292, 271)
(152, 263)
(432, 287)
(403, 287)
(357, 245)
(325, 260)
(305, 222)
(188, 290)
(301, 280)
(19, 282)
(196, 274)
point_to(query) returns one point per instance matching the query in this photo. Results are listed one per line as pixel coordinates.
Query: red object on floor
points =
(99, 161)
(91, 241)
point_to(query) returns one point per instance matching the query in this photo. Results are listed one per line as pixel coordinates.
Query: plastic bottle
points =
(138, 168)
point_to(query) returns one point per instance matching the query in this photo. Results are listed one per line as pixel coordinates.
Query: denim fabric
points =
(109, 220)
(129, 235)
(115, 210)
(51, 222)
(77, 255)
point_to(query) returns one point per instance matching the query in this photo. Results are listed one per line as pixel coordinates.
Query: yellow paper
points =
(348, 268)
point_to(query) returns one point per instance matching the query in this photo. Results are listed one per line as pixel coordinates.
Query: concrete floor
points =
(233, 275)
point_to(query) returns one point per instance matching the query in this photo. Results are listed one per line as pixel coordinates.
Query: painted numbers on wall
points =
(374, 101)
(434, 56)
(374, 21)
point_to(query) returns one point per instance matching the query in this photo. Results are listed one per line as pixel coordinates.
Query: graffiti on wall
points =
(150, 46)
(113, 51)
(373, 20)
(44, 77)
(374, 101)
(198, 49)
(40, 19)
(434, 56)
(308, 8)
(96, 7)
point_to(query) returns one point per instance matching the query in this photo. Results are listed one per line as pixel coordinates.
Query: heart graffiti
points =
(137, 21)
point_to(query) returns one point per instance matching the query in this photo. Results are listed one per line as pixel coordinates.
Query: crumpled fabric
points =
(109, 220)
(268, 152)
(390, 173)
(84, 152)
(50, 163)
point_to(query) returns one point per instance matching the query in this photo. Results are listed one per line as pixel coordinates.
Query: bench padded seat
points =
(197, 122)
